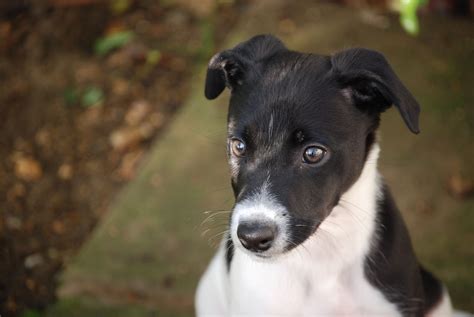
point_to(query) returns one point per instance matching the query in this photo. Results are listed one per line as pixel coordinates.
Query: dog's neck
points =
(345, 236)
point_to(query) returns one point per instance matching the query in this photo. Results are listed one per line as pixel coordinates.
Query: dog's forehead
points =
(295, 91)
(293, 66)
(266, 125)
(283, 110)
(288, 82)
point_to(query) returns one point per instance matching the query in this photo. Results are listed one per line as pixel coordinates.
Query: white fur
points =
(261, 207)
(322, 277)
(444, 308)
(212, 295)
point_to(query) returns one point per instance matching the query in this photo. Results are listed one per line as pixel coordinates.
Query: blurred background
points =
(112, 161)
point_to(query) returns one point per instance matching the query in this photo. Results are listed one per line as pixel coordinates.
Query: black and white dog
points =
(314, 230)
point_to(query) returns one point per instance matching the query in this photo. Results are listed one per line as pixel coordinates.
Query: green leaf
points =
(120, 6)
(106, 44)
(71, 96)
(153, 57)
(92, 96)
(408, 17)
(410, 24)
(31, 313)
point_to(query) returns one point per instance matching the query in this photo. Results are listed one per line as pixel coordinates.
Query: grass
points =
(80, 307)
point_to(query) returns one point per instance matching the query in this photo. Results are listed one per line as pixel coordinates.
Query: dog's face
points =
(299, 130)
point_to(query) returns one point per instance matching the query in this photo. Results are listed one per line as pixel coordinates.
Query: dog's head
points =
(300, 127)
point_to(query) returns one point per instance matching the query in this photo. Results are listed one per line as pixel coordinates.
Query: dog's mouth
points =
(262, 256)
(299, 231)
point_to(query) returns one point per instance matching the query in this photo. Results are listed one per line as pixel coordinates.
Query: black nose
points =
(257, 237)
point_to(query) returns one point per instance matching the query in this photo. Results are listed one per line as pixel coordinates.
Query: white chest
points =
(268, 289)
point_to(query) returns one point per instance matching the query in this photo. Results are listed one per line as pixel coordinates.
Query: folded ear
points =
(231, 68)
(367, 78)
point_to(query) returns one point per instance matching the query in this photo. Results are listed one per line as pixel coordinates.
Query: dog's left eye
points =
(238, 147)
(314, 154)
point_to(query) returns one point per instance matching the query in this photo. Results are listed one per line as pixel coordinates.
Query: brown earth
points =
(65, 155)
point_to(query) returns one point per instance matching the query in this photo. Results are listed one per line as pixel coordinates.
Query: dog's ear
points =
(367, 78)
(232, 67)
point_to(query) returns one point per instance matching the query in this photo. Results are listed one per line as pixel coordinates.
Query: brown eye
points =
(238, 147)
(313, 154)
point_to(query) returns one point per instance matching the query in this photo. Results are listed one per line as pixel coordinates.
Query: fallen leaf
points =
(13, 223)
(460, 187)
(43, 138)
(92, 96)
(58, 227)
(112, 41)
(28, 169)
(33, 260)
(65, 171)
(129, 165)
(124, 138)
(137, 113)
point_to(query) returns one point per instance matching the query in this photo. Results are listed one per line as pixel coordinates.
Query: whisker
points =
(352, 204)
(213, 214)
(216, 226)
(217, 235)
(296, 248)
(219, 211)
(353, 214)
(331, 222)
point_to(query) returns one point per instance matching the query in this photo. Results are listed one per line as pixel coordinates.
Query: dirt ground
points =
(76, 120)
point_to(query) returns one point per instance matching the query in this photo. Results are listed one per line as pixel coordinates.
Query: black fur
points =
(392, 265)
(374, 85)
(333, 102)
(229, 252)
(230, 68)
(433, 290)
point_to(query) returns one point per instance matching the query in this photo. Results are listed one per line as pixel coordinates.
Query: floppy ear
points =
(368, 79)
(231, 68)
(224, 69)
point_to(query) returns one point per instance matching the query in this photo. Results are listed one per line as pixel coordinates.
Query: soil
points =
(76, 123)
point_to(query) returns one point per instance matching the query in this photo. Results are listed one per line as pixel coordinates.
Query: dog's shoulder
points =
(392, 267)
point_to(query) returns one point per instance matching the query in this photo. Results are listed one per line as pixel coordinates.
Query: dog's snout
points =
(257, 237)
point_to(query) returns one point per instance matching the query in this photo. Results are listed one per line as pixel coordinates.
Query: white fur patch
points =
(212, 295)
(261, 207)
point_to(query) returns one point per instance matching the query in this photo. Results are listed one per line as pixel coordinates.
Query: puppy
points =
(314, 230)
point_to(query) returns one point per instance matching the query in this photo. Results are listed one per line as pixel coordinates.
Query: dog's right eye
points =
(314, 154)
(238, 147)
